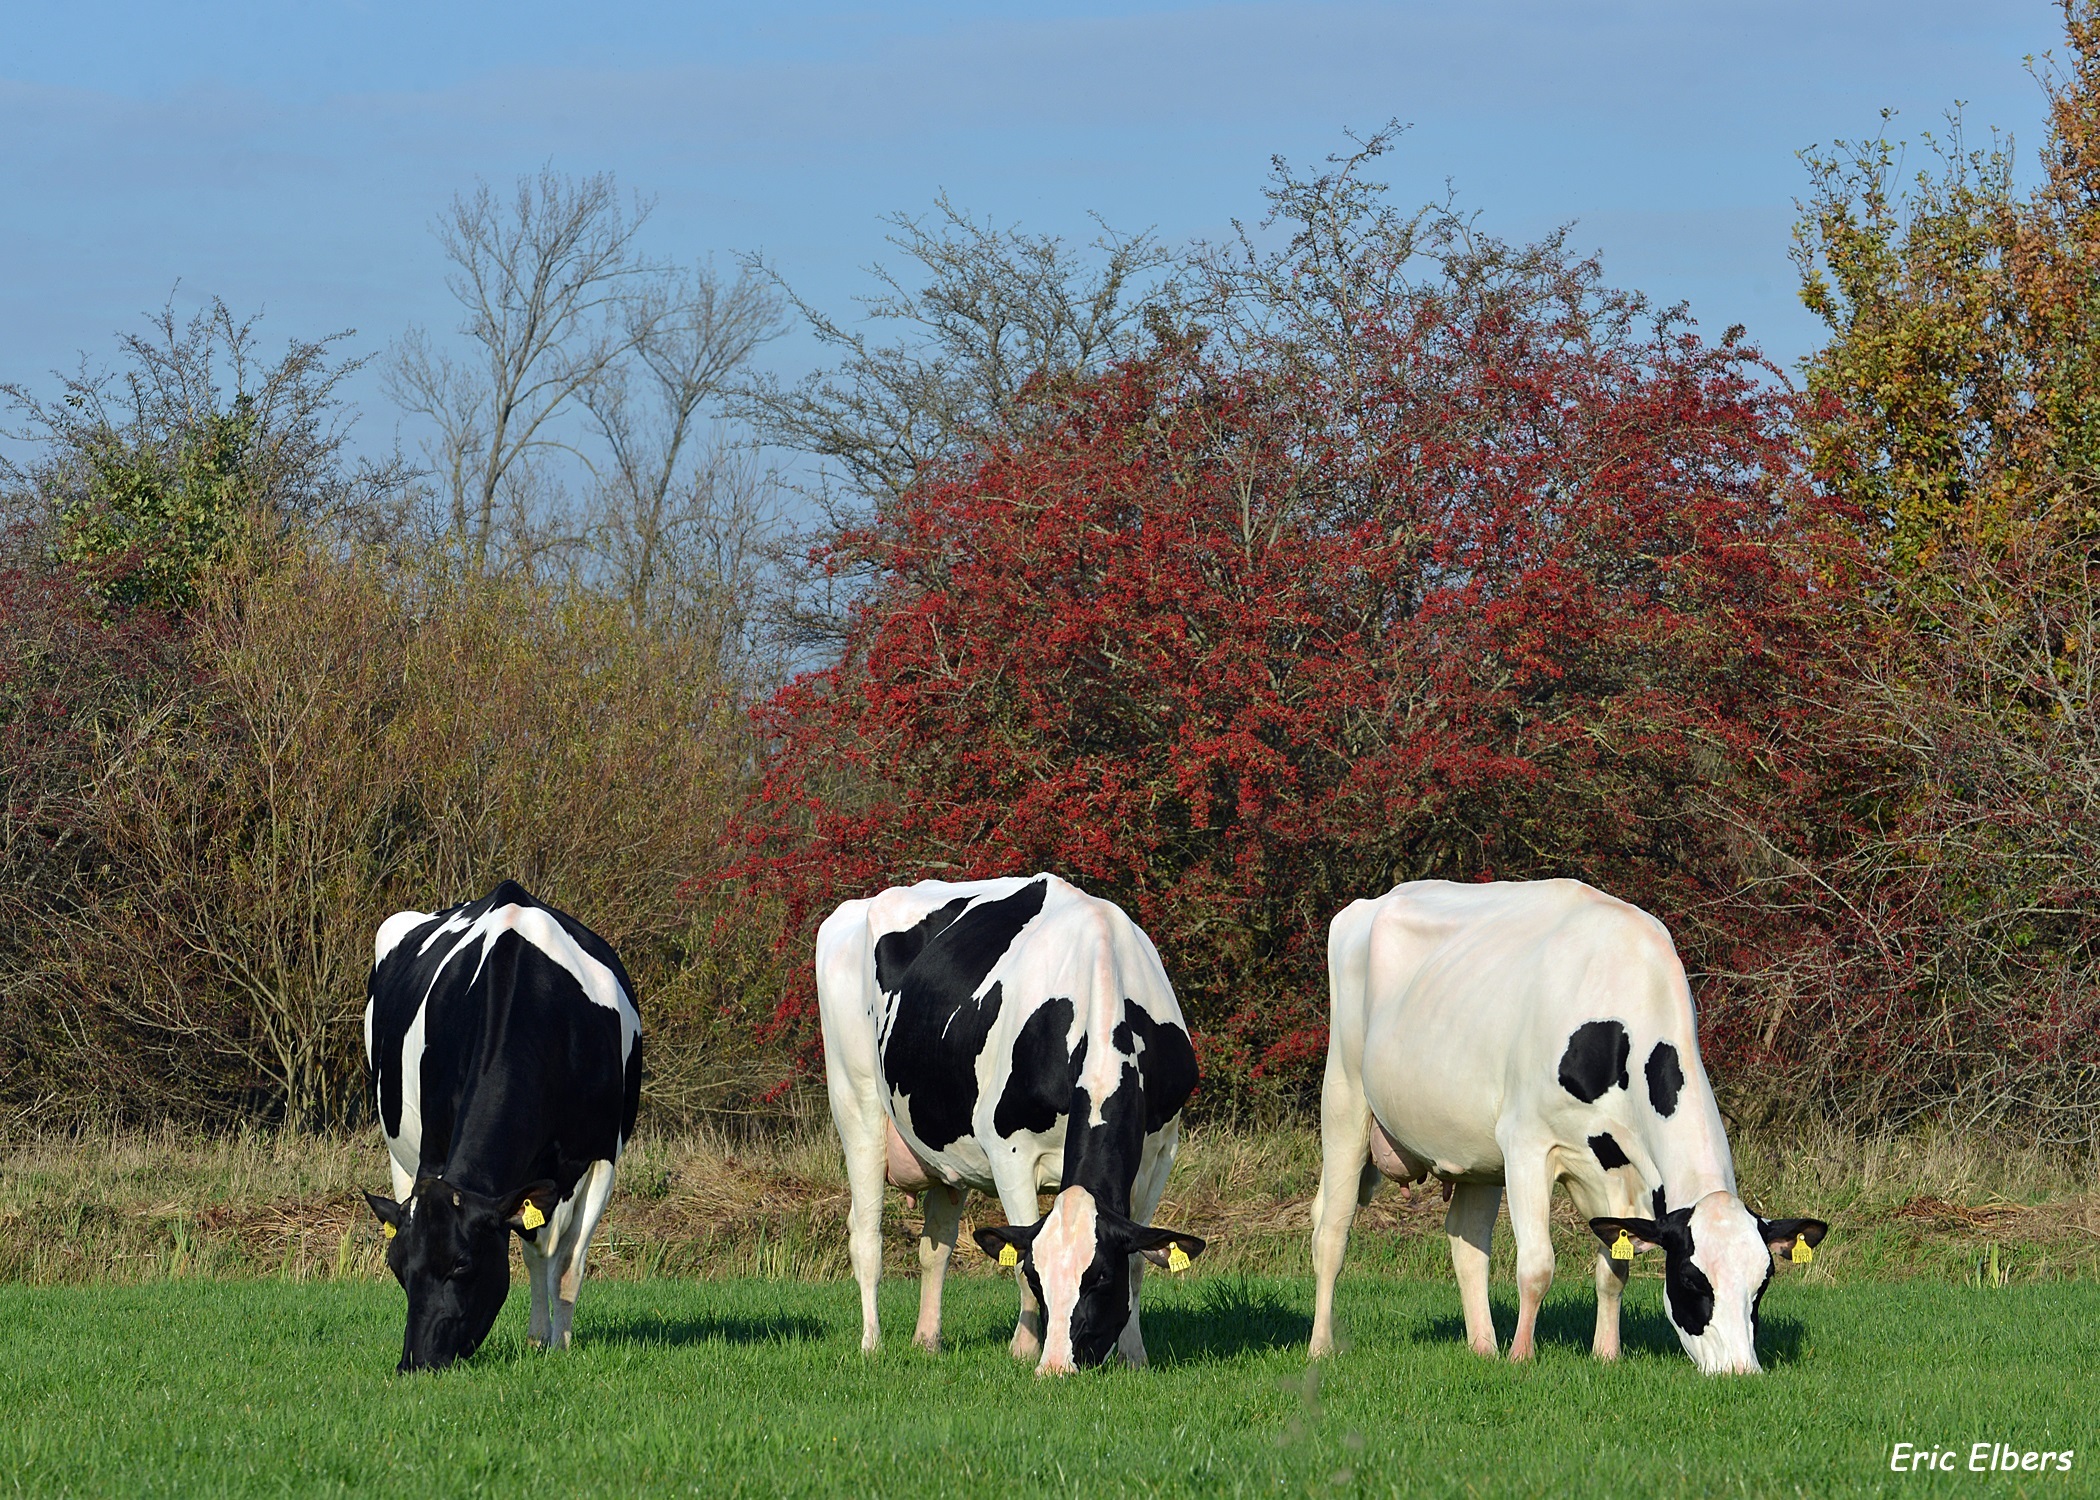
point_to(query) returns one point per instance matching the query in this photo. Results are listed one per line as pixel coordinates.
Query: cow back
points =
(503, 1041)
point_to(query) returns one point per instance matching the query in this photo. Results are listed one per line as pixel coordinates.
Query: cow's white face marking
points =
(1063, 1251)
(1729, 1251)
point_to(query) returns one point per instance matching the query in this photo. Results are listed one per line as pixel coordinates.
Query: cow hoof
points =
(1320, 1349)
(1489, 1351)
(930, 1342)
(1026, 1346)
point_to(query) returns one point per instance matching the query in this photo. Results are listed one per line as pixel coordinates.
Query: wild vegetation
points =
(1234, 581)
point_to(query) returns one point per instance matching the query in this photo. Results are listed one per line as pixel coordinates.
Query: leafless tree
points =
(548, 281)
(998, 311)
(676, 510)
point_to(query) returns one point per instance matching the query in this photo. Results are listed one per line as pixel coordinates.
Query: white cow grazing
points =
(1520, 1034)
(1009, 1036)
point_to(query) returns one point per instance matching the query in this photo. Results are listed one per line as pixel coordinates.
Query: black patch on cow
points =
(1659, 1201)
(1665, 1078)
(897, 951)
(1166, 1063)
(1039, 1087)
(937, 1025)
(1595, 1060)
(1103, 1158)
(1607, 1151)
(1691, 1294)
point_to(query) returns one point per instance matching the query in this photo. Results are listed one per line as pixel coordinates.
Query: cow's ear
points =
(391, 1214)
(1782, 1234)
(1167, 1248)
(1006, 1243)
(530, 1206)
(1639, 1234)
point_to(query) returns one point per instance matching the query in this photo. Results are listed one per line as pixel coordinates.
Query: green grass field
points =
(758, 1387)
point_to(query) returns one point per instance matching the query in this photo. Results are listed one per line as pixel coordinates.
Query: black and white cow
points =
(1010, 1036)
(1521, 1034)
(505, 1054)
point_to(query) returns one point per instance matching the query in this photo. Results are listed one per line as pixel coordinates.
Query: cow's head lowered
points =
(450, 1250)
(1717, 1261)
(1077, 1262)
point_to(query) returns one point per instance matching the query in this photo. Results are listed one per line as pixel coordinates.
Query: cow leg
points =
(539, 1282)
(1530, 1225)
(936, 1245)
(1611, 1287)
(1470, 1225)
(857, 1116)
(1017, 1197)
(574, 1245)
(1145, 1193)
(1345, 1154)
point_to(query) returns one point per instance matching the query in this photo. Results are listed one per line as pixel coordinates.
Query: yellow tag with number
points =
(532, 1218)
(1622, 1247)
(1008, 1256)
(387, 1230)
(1177, 1258)
(1803, 1251)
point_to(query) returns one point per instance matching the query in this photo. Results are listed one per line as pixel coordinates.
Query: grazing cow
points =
(506, 1058)
(1009, 1036)
(1519, 1034)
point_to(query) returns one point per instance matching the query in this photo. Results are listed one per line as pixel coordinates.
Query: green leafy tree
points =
(1958, 400)
(143, 477)
(150, 517)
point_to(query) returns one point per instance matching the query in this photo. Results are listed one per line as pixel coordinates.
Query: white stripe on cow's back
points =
(393, 930)
(538, 927)
(410, 1159)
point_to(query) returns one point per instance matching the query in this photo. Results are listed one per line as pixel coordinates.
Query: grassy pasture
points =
(209, 1316)
(758, 1387)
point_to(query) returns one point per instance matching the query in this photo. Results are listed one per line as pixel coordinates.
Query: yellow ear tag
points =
(387, 1230)
(1803, 1251)
(1622, 1247)
(1177, 1258)
(1008, 1256)
(532, 1218)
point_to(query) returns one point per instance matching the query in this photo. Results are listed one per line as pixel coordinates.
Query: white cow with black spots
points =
(1009, 1036)
(1518, 1034)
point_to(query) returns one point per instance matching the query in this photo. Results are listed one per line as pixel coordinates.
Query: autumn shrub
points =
(1536, 592)
(1939, 959)
(346, 737)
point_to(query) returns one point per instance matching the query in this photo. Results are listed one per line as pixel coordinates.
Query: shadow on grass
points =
(1642, 1330)
(650, 1328)
(1228, 1318)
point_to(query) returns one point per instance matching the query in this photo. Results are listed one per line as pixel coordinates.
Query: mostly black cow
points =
(1522, 1034)
(1010, 1036)
(506, 1060)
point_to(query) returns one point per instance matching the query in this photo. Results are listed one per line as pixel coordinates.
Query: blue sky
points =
(290, 156)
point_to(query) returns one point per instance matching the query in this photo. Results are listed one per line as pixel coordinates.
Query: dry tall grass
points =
(721, 1202)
